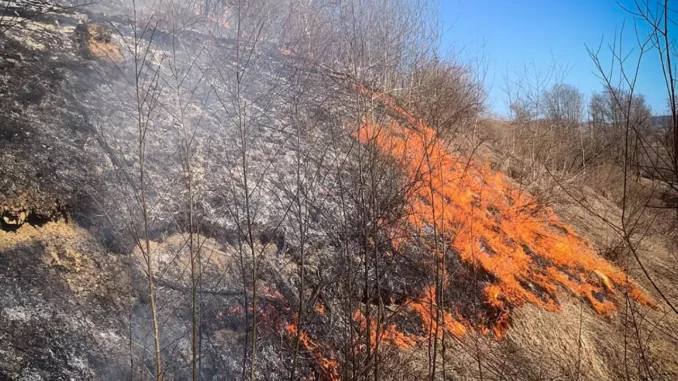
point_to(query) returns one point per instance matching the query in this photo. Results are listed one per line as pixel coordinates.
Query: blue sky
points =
(508, 36)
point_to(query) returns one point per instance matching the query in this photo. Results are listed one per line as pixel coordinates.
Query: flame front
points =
(486, 228)
(327, 363)
(524, 251)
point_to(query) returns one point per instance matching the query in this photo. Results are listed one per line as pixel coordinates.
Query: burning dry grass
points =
(506, 259)
(525, 253)
(328, 365)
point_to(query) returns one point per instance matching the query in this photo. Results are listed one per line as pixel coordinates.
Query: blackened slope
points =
(65, 140)
(50, 332)
(43, 139)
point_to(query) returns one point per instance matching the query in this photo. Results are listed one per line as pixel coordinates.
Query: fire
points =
(499, 250)
(329, 365)
(426, 309)
(389, 334)
(525, 253)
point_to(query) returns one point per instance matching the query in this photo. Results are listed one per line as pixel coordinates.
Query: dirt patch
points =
(49, 232)
(96, 42)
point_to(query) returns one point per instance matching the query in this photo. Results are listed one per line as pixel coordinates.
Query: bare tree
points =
(242, 182)
(610, 111)
(146, 102)
(136, 186)
(564, 104)
(184, 81)
(625, 76)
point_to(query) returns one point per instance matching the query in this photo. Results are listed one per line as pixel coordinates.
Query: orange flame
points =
(329, 365)
(426, 307)
(525, 251)
(389, 334)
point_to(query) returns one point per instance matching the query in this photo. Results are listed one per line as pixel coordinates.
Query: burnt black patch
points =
(536, 289)
(600, 296)
(486, 248)
(538, 260)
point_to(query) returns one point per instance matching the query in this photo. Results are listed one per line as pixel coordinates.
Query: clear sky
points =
(508, 36)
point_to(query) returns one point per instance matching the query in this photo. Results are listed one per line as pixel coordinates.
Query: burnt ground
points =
(74, 302)
(42, 137)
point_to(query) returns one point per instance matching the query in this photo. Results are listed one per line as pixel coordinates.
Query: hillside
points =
(239, 210)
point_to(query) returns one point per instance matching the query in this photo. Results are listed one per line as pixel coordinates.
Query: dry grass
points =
(171, 257)
(98, 42)
(69, 249)
(576, 343)
(51, 232)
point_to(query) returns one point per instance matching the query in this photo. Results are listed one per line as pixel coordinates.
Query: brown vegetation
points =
(96, 41)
